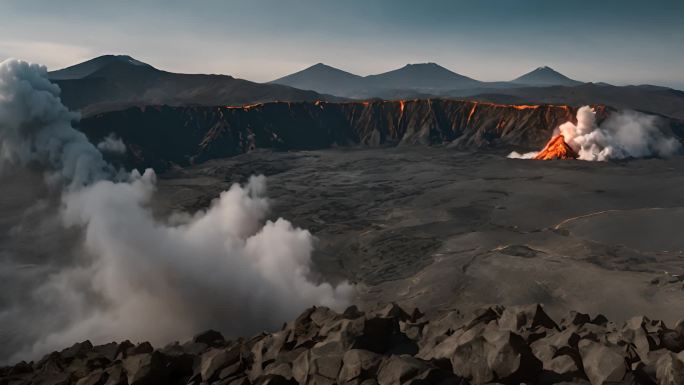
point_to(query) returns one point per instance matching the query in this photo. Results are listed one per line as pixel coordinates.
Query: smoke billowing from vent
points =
(626, 134)
(131, 275)
(35, 128)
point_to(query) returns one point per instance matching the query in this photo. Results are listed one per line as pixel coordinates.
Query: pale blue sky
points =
(622, 42)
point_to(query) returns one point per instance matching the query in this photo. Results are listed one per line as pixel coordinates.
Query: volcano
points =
(557, 148)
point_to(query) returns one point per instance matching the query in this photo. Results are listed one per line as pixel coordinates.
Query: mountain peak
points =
(428, 75)
(546, 76)
(320, 77)
(81, 70)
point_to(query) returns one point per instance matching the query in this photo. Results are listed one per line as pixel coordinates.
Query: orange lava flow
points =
(472, 111)
(245, 107)
(556, 148)
(401, 106)
(524, 107)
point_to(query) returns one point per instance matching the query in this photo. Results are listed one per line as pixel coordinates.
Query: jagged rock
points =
(391, 310)
(352, 312)
(358, 364)
(602, 364)
(404, 369)
(141, 348)
(509, 357)
(467, 353)
(236, 381)
(283, 369)
(523, 319)
(436, 331)
(145, 369)
(209, 337)
(107, 351)
(116, 375)
(77, 350)
(575, 319)
(379, 334)
(50, 373)
(123, 348)
(274, 379)
(98, 377)
(316, 367)
(514, 345)
(670, 369)
(214, 360)
(194, 348)
(20, 368)
(672, 340)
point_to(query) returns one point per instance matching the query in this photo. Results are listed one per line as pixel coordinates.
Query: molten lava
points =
(557, 148)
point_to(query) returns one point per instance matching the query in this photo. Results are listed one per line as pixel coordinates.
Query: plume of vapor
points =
(112, 144)
(625, 134)
(137, 276)
(526, 155)
(35, 128)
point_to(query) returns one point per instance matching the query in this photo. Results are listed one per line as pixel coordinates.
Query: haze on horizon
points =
(620, 42)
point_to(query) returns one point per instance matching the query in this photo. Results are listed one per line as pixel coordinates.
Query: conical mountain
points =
(546, 76)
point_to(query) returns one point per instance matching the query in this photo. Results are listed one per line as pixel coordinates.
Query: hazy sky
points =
(608, 40)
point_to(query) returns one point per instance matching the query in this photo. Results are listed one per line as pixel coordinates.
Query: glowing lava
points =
(557, 148)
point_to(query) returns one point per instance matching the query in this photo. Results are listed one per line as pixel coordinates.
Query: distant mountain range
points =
(410, 80)
(115, 82)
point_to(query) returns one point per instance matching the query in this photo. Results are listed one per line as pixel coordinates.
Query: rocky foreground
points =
(511, 345)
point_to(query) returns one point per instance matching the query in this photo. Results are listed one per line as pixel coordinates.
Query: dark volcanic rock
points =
(195, 134)
(388, 346)
(210, 337)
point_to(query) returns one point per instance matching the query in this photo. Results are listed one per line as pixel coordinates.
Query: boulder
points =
(141, 348)
(602, 364)
(358, 364)
(209, 337)
(405, 369)
(115, 375)
(312, 367)
(509, 357)
(216, 359)
(523, 320)
(107, 351)
(97, 377)
(670, 369)
(145, 369)
(79, 349)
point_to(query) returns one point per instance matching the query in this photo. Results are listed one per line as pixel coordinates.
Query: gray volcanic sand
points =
(441, 229)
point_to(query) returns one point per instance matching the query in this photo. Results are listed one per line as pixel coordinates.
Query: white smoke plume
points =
(135, 276)
(526, 155)
(112, 144)
(35, 128)
(625, 134)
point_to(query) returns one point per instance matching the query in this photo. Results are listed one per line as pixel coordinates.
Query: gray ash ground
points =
(440, 229)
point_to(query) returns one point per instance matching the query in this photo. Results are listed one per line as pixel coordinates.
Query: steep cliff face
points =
(156, 136)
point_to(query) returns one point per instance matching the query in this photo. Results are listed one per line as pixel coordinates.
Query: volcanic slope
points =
(112, 82)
